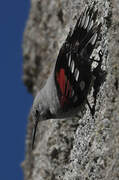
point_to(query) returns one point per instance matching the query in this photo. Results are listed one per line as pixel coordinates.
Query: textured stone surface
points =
(78, 148)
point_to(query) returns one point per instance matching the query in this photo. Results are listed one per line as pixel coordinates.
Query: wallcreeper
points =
(70, 80)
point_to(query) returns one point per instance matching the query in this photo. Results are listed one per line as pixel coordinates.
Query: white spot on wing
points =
(76, 74)
(86, 22)
(69, 62)
(72, 66)
(83, 21)
(90, 25)
(93, 39)
(82, 85)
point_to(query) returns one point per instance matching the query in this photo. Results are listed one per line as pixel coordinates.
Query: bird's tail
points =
(86, 31)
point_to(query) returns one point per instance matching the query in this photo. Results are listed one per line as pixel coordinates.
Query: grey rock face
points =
(80, 148)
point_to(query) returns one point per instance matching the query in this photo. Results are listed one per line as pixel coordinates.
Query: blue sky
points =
(15, 101)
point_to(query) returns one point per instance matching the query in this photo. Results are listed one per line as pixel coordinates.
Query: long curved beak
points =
(34, 133)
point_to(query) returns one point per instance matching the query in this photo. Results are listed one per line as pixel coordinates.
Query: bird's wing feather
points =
(73, 67)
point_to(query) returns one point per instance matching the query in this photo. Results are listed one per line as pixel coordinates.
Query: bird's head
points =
(40, 112)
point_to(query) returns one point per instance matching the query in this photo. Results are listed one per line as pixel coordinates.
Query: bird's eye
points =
(36, 113)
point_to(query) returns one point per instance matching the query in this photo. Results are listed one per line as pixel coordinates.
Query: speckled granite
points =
(80, 148)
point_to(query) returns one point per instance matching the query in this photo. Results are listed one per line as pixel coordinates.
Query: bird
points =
(70, 80)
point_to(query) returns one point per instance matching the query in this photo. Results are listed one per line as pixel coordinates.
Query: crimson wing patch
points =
(65, 87)
(72, 81)
(73, 66)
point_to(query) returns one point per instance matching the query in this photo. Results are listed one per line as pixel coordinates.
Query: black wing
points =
(73, 67)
